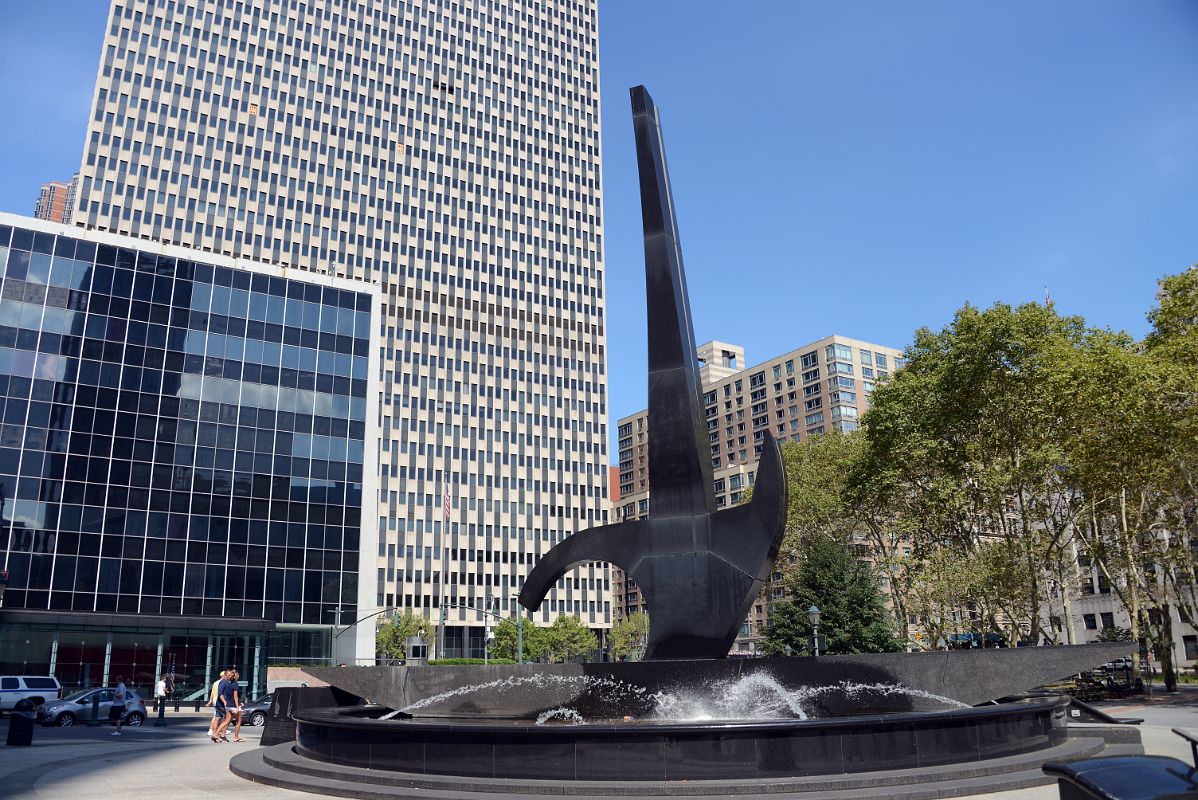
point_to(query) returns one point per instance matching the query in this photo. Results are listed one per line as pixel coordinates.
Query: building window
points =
(880, 360)
(838, 351)
(1108, 619)
(1091, 622)
(1191, 646)
(809, 360)
(867, 357)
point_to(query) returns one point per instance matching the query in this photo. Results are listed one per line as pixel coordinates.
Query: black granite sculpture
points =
(699, 569)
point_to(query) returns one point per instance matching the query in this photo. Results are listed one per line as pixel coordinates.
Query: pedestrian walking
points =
(159, 692)
(216, 712)
(116, 712)
(240, 709)
(229, 697)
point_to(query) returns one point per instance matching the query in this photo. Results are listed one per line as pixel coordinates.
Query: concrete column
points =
(208, 665)
(257, 661)
(54, 653)
(158, 663)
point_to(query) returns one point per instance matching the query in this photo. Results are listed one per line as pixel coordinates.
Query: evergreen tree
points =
(853, 618)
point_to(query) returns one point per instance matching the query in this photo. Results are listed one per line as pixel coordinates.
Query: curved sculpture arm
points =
(609, 543)
(766, 512)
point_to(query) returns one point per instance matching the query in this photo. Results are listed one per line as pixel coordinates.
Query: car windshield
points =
(260, 701)
(70, 698)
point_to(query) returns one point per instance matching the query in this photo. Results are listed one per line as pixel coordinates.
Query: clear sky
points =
(861, 168)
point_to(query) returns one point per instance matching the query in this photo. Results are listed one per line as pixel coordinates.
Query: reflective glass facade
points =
(178, 438)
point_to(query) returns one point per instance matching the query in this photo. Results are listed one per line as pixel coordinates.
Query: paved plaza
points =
(179, 762)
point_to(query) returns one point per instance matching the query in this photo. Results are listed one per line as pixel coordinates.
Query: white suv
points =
(35, 688)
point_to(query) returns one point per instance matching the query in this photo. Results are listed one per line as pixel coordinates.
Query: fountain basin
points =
(677, 751)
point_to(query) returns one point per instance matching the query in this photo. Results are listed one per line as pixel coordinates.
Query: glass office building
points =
(182, 456)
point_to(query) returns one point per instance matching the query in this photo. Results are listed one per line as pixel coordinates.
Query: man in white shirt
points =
(160, 692)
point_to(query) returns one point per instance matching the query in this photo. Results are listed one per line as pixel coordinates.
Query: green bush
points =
(456, 662)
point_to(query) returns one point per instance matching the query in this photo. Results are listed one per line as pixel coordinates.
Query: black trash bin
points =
(20, 724)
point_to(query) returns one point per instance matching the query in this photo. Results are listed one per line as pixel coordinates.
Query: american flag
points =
(447, 503)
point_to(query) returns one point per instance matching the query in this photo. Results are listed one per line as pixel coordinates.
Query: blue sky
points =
(861, 168)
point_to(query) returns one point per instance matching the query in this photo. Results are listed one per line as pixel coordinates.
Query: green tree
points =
(1114, 634)
(963, 450)
(391, 635)
(629, 635)
(853, 619)
(567, 638)
(507, 635)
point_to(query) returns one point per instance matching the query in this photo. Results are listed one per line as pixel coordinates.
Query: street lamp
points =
(813, 614)
(519, 629)
(3, 584)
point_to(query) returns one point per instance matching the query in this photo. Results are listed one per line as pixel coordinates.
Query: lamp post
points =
(488, 610)
(519, 630)
(3, 579)
(813, 615)
(334, 633)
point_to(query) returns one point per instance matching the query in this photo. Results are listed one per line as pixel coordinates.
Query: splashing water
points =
(612, 689)
(760, 696)
(756, 696)
(564, 714)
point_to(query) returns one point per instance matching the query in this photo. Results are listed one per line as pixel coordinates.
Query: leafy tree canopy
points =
(391, 635)
(629, 635)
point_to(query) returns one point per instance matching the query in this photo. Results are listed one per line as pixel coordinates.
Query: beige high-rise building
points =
(447, 152)
(821, 387)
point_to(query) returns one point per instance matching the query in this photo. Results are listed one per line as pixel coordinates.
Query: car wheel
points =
(65, 720)
(257, 719)
(135, 719)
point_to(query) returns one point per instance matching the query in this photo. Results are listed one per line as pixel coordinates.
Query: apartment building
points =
(56, 201)
(814, 389)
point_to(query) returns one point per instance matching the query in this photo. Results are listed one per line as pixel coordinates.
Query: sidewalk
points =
(177, 762)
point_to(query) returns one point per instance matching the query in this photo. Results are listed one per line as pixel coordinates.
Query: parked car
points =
(78, 708)
(37, 689)
(255, 711)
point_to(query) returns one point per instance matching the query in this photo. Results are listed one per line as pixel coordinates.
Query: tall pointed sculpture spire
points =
(679, 453)
(699, 569)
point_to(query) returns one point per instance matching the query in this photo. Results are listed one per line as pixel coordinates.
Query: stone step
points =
(281, 766)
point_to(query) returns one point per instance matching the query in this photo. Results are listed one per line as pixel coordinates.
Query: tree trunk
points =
(1068, 586)
(1133, 578)
(1168, 669)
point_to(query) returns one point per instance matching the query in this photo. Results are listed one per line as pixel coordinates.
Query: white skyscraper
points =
(447, 151)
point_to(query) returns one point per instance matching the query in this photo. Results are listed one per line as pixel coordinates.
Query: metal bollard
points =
(176, 705)
(94, 722)
(197, 704)
(161, 721)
